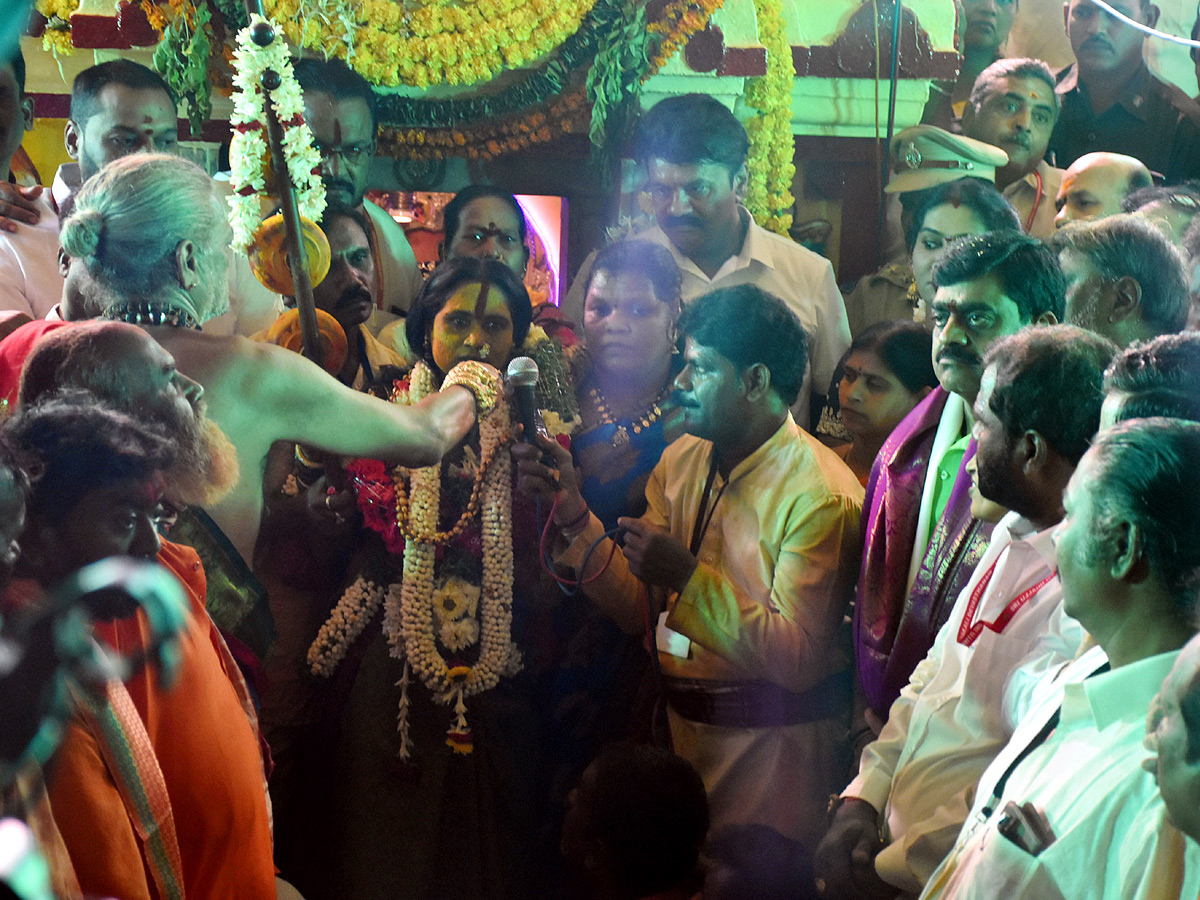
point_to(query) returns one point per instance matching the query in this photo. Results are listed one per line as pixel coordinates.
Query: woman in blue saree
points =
(599, 690)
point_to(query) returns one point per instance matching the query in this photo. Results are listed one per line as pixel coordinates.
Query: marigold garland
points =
(771, 161)
(57, 36)
(540, 109)
(567, 114)
(437, 42)
(542, 105)
(677, 22)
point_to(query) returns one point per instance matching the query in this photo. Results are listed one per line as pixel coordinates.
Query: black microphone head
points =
(522, 372)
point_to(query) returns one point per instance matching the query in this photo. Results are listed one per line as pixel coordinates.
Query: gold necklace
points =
(637, 422)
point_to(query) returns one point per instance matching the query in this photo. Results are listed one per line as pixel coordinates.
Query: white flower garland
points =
(347, 621)
(409, 621)
(248, 149)
(415, 641)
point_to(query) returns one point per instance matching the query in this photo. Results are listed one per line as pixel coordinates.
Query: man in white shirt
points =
(694, 151)
(29, 279)
(1037, 408)
(1073, 813)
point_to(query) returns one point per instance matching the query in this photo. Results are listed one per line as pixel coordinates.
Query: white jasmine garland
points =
(347, 621)
(248, 150)
(413, 620)
(415, 638)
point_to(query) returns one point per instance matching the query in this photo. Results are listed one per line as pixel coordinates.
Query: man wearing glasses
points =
(339, 107)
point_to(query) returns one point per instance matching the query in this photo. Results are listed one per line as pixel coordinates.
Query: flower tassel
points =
(402, 717)
(459, 735)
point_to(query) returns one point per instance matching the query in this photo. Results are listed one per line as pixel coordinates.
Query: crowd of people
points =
(781, 591)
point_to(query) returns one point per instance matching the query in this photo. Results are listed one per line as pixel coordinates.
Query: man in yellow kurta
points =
(746, 549)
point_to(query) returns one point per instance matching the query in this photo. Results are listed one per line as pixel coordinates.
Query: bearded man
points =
(160, 266)
(124, 366)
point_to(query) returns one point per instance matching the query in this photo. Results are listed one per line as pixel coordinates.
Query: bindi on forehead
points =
(491, 210)
(868, 370)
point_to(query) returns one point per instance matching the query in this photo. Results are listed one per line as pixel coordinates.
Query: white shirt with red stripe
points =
(952, 718)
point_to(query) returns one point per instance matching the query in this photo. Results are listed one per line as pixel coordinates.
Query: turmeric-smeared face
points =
(476, 324)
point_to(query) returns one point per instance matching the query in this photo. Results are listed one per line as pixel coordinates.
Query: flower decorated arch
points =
(420, 43)
(483, 78)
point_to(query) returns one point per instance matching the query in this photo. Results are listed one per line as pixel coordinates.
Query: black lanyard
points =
(700, 526)
(1041, 738)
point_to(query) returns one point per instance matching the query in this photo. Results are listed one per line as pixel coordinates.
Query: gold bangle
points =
(480, 379)
(307, 461)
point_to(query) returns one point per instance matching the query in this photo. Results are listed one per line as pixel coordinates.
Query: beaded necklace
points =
(638, 421)
(143, 312)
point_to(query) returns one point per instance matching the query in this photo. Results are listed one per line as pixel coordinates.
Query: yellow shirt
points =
(767, 598)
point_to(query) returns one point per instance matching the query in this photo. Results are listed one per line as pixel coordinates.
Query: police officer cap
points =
(924, 156)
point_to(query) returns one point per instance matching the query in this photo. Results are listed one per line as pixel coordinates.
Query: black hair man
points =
(746, 551)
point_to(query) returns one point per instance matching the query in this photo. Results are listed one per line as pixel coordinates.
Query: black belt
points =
(757, 704)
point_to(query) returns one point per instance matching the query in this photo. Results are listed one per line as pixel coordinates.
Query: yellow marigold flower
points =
(461, 745)
(58, 41)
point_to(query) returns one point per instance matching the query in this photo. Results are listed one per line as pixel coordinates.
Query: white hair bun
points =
(81, 233)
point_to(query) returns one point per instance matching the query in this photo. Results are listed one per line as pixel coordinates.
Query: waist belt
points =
(756, 704)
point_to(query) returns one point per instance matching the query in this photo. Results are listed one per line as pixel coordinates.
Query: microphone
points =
(522, 376)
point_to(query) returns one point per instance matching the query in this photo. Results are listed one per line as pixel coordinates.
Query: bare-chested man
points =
(145, 243)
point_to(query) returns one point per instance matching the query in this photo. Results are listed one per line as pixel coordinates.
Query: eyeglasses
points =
(352, 153)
